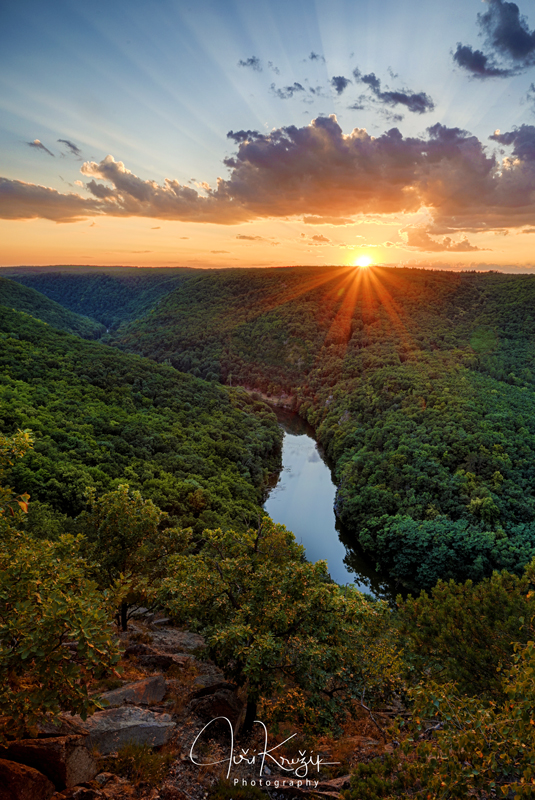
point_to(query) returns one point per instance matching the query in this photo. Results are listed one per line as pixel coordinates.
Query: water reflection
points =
(303, 498)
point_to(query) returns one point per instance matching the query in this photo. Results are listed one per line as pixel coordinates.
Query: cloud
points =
(480, 65)
(243, 136)
(339, 83)
(287, 91)
(419, 239)
(527, 230)
(20, 200)
(251, 238)
(316, 57)
(72, 147)
(319, 173)
(320, 239)
(416, 102)
(157, 228)
(507, 37)
(273, 68)
(221, 251)
(253, 62)
(328, 221)
(40, 146)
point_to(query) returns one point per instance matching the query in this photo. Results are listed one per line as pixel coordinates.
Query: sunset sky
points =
(268, 132)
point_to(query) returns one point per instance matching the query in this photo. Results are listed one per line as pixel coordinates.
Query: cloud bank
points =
(320, 173)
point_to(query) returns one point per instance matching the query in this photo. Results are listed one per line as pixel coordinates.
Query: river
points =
(302, 499)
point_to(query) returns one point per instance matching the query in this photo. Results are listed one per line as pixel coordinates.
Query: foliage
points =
(54, 633)
(481, 745)
(141, 764)
(101, 418)
(420, 552)
(108, 295)
(419, 385)
(28, 301)
(468, 632)
(279, 627)
(127, 540)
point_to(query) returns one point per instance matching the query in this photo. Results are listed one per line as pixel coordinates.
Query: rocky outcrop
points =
(65, 760)
(141, 693)
(18, 782)
(115, 727)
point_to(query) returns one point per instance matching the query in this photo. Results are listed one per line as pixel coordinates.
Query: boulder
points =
(221, 703)
(173, 641)
(141, 693)
(115, 727)
(18, 782)
(153, 659)
(65, 760)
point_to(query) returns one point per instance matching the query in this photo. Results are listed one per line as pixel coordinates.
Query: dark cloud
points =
(417, 102)
(507, 37)
(243, 136)
(476, 62)
(157, 228)
(40, 146)
(221, 251)
(339, 83)
(243, 237)
(316, 57)
(319, 173)
(72, 147)
(253, 62)
(319, 239)
(287, 91)
(522, 139)
(273, 68)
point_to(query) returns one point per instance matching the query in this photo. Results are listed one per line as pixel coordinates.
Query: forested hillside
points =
(21, 298)
(108, 295)
(419, 384)
(100, 418)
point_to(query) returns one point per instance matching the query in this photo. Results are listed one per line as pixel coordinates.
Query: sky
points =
(233, 133)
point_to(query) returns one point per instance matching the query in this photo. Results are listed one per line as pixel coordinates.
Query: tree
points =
(278, 626)
(129, 544)
(54, 626)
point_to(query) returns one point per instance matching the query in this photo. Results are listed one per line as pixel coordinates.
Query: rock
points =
(164, 661)
(153, 659)
(67, 726)
(222, 703)
(211, 686)
(139, 650)
(141, 693)
(173, 641)
(65, 760)
(116, 727)
(206, 684)
(105, 777)
(160, 622)
(18, 782)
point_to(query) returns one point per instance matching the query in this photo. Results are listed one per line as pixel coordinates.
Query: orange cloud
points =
(322, 175)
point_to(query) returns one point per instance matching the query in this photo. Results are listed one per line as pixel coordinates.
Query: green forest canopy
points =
(418, 382)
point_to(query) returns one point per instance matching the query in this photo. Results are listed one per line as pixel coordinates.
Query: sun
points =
(363, 261)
